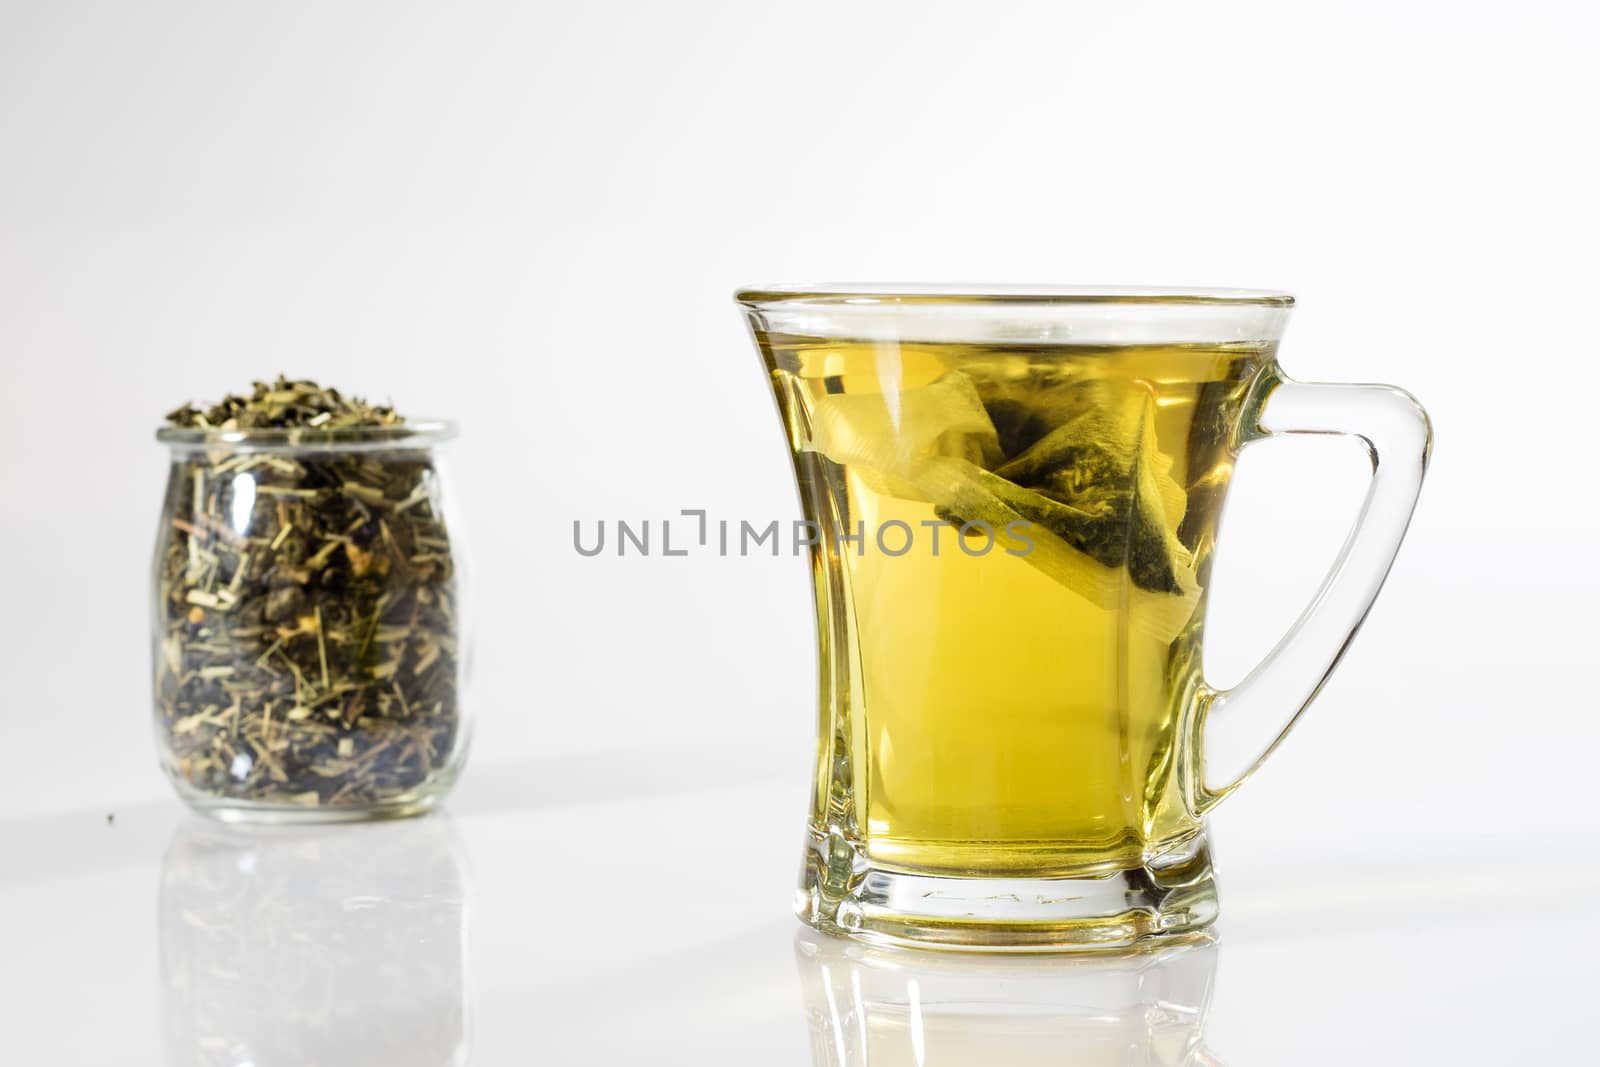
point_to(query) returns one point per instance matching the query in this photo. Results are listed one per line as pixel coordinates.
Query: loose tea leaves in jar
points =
(306, 598)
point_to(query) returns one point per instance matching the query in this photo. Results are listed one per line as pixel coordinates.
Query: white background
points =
(530, 217)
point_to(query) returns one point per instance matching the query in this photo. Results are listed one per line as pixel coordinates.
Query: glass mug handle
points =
(1395, 429)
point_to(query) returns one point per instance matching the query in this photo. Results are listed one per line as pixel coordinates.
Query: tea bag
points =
(1102, 461)
(1076, 463)
(886, 436)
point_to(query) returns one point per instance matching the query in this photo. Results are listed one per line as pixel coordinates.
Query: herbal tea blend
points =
(306, 606)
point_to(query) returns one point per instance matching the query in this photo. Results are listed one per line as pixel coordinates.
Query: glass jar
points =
(307, 622)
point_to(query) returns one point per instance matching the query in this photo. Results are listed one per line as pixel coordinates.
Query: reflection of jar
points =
(307, 622)
(869, 1006)
(300, 946)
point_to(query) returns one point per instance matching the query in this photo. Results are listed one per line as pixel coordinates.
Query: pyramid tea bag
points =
(1102, 464)
(1076, 463)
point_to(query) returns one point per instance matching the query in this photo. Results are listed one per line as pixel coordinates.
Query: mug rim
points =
(991, 293)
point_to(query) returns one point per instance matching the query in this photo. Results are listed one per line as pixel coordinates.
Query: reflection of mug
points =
(1014, 497)
(871, 1007)
(294, 946)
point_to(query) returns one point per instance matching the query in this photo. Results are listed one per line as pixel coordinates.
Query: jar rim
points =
(413, 433)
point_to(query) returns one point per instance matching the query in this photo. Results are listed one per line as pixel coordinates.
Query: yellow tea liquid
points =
(1009, 625)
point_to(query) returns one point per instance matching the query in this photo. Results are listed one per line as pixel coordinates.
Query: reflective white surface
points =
(541, 920)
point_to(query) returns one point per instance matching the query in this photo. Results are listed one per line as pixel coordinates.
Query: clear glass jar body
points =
(307, 623)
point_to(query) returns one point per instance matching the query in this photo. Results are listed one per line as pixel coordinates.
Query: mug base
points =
(1172, 897)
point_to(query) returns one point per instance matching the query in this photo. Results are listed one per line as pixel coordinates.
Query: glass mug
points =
(1013, 497)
